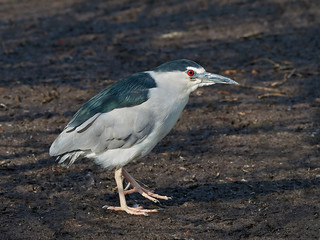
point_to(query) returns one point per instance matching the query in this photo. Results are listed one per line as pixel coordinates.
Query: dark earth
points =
(241, 163)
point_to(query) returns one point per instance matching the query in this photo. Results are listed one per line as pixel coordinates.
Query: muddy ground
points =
(241, 163)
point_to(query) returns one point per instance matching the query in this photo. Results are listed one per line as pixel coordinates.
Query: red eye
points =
(190, 72)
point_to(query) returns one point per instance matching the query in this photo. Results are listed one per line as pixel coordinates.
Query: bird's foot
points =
(146, 193)
(134, 211)
(143, 191)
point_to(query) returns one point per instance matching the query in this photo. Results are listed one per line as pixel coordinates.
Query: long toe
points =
(134, 211)
(147, 194)
(155, 195)
(143, 191)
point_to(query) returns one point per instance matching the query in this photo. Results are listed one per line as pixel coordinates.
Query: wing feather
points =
(119, 128)
(109, 120)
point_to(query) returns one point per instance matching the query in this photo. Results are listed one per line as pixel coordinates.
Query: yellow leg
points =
(123, 203)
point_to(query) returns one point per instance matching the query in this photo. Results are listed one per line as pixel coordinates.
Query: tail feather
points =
(67, 159)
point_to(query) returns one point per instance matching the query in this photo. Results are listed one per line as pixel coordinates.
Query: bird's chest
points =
(167, 110)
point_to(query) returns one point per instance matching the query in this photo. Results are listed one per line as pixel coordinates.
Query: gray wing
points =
(119, 128)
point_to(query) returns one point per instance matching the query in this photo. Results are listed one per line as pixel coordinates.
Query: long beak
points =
(211, 78)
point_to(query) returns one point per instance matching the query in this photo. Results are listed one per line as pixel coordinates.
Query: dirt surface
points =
(241, 163)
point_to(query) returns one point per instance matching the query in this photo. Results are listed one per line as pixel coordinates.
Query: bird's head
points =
(189, 74)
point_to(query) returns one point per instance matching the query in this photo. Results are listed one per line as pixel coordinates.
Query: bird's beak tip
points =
(234, 82)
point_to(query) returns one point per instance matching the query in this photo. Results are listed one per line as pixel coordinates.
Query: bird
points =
(126, 120)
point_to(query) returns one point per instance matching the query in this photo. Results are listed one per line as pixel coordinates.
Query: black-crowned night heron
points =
(126, 120)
